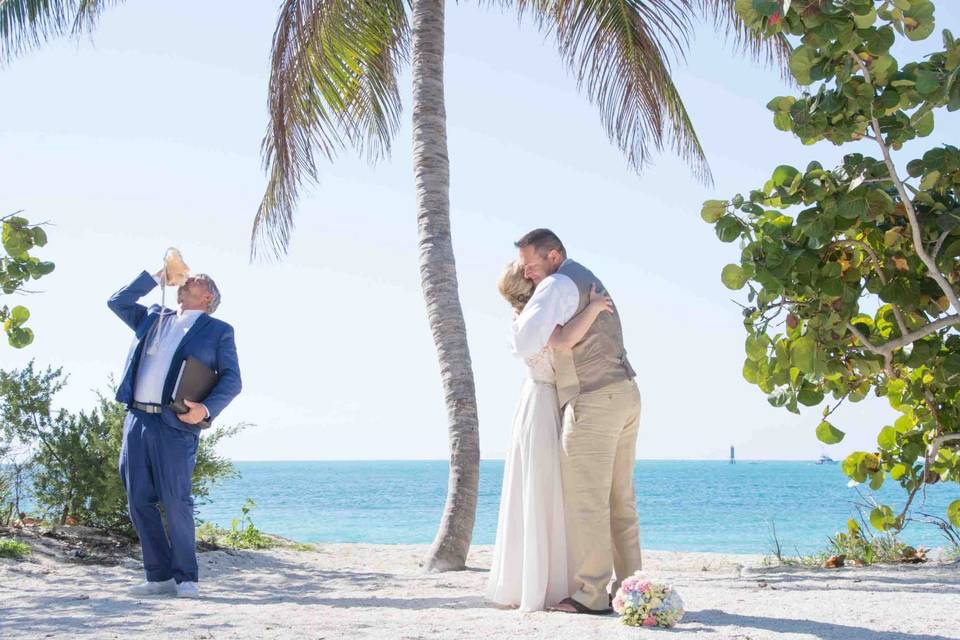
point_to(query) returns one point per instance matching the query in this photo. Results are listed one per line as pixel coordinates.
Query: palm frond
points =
(88, 13)
(620, 52)
(773, 52)
(26, 24)
(333, 84)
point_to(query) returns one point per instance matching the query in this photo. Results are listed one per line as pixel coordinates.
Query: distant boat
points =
(825, 459)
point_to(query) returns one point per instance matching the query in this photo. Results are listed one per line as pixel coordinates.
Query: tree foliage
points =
(854, 291)
(17, 267)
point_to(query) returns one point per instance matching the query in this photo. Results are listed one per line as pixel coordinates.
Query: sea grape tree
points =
(851, 272)
(17, 267)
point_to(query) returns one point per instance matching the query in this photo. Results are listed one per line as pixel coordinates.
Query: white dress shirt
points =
(158, 353)
(554, 302)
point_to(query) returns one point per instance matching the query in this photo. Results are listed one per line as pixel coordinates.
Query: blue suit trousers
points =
(156, 464)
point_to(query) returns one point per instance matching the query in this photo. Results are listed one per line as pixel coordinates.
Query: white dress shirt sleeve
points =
(554, 302)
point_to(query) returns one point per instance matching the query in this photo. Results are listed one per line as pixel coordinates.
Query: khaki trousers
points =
(599, 448)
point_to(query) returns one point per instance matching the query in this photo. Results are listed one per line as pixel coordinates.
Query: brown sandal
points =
(580, 608)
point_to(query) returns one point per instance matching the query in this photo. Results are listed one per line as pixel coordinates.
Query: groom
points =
(601, 412)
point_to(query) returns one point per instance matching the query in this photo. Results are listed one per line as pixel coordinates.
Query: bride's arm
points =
(565, 336)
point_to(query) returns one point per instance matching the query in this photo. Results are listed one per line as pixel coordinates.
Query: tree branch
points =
(931, 265)
(939, 245)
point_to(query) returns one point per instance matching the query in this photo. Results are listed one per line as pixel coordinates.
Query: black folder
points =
(194, 383)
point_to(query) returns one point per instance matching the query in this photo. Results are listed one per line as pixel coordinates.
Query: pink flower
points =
(644, 587)
(630, 584)
(650, 622)
(618, 604)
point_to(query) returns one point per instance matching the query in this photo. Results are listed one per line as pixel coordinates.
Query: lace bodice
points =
(540, 366)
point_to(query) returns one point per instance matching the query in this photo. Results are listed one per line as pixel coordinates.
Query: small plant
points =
(10, 548)
(859, 548)
(243, 534)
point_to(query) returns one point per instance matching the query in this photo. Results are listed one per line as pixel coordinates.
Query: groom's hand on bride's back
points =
(599, 300)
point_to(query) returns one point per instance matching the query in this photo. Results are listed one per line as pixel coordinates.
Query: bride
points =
(529, 568)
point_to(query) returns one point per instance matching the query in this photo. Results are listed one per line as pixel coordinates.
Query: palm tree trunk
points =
(438, 277)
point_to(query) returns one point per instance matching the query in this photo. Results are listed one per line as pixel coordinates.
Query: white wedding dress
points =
(529, 567)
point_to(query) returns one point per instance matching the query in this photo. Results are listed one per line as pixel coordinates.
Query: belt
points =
(147, 407)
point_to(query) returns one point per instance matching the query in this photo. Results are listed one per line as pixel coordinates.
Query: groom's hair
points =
(543, 240)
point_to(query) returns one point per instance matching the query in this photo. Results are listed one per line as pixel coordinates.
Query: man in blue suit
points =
(159, 448)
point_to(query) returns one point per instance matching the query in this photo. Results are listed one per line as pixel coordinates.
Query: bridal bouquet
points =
(642, 603)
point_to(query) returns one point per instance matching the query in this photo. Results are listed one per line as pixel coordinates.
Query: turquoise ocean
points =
(683, 505)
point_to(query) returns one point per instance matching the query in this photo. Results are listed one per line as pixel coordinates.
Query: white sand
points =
(367, 591)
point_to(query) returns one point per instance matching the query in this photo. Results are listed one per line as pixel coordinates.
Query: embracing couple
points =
(568, 530)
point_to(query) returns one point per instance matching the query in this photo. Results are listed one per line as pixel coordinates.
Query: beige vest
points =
(599, 359)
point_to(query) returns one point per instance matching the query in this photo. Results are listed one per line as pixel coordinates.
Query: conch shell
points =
(175, 269)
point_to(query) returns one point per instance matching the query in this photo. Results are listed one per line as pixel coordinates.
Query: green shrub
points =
(10, 548)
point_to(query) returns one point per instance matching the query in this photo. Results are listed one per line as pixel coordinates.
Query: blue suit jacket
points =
(209, 340)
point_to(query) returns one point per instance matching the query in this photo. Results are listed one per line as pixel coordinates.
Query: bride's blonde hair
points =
(514, 288)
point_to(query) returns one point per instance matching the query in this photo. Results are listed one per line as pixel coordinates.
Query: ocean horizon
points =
(684, 505)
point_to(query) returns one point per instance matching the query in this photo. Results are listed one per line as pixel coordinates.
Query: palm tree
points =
(333, 85)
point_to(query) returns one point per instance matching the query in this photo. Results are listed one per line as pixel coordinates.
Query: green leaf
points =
(882, 68)
(20, 338)
(829, 434)
(915, 168)
(45, 268)
(853, 466)
(19, 314)
(898, 471)
(887, 439)
(783, 175)
(810, 396)
(879, 203)
(756, 346)
(728, 229)
(853, 205)
(927, 81)
(866, 20)
(783, 121)
(921, 12)
(39, 236)
(766, 7)
(953, 513)
(881, 518)
(879, 42)
(803, 354)
(802, 61)
(712, 210)
(925, 124)
(733, 277)
(930, 180)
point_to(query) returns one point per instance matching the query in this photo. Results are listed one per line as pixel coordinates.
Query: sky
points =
(147, 135)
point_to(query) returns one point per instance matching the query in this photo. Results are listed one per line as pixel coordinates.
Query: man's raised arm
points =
(124, 302)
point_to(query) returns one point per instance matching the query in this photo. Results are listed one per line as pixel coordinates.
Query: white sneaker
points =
(188, 590)
(154, 588)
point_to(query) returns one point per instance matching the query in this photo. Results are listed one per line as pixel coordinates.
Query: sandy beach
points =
(380, 591)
